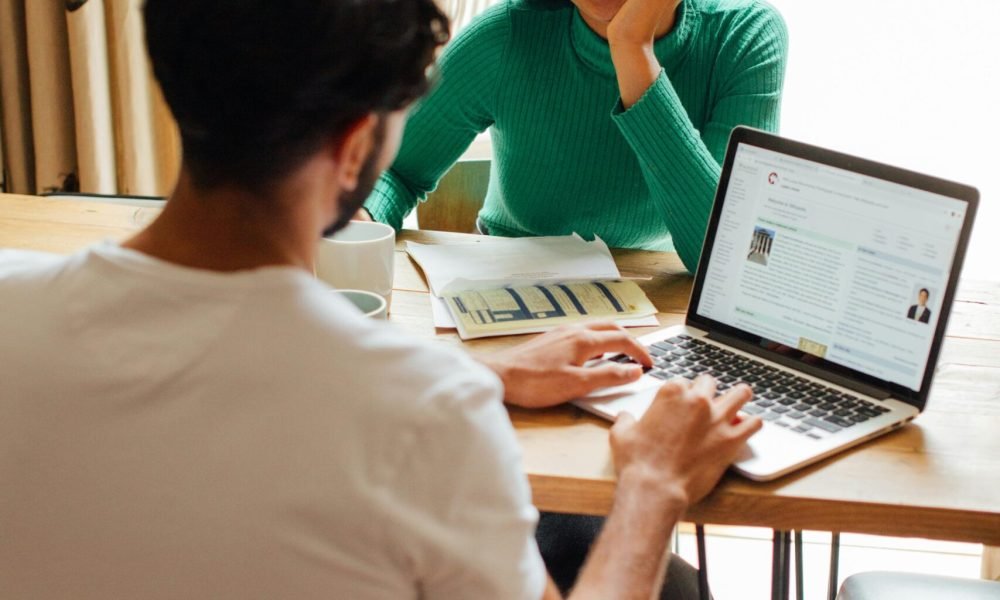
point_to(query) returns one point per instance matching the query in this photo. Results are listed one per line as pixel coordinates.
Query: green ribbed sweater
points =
(566, 156)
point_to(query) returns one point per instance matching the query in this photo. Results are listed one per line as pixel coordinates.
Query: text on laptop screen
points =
(842, 266)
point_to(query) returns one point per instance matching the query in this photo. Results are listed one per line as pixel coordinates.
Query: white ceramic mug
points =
(369, 303)
(359, 257)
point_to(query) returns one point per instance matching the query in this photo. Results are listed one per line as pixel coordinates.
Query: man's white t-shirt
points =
(167, 432)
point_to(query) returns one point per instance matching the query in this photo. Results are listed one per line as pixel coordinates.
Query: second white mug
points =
(370, 304)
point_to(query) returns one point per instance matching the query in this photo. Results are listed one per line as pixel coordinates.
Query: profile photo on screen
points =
(760, 245)
(919, 311)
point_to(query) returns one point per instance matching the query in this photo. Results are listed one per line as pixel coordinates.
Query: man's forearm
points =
(629, 558)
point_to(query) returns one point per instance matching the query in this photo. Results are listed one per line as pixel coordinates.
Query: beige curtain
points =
(51, 96)
(80, 110)
(15, 101)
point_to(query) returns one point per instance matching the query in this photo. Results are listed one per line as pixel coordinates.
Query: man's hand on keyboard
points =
(687, 438)
(548, 369)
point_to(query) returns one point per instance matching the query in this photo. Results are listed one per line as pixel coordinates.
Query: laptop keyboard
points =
(780, 397)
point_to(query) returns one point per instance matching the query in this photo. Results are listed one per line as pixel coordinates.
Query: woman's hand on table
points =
(548, 370)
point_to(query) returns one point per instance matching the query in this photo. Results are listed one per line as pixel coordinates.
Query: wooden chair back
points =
(455, 204)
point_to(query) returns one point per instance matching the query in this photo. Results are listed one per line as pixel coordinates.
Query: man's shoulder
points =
(392, 369)
(391, 386)
(436, 374)
(26, 262)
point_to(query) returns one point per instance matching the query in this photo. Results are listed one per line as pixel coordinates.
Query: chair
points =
(886, 585)
(455, 204)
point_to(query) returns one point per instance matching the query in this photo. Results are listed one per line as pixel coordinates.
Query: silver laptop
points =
(825, 283)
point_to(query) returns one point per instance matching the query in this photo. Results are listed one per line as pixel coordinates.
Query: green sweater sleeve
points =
(443, 124)
(682, 165)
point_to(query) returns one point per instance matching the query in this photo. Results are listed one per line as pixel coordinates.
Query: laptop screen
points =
(836, 266)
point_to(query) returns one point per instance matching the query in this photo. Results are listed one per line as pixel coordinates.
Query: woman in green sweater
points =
(608, 117)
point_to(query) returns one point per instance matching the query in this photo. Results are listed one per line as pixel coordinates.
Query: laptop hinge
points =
(861, 388)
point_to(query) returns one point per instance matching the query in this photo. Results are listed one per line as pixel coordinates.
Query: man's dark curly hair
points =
(257, 86)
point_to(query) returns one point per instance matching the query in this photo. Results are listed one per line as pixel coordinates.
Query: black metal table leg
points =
(799, 585)
(776, 566)
(780, 565)
(699, 531)
(786, 569)
(834, 566)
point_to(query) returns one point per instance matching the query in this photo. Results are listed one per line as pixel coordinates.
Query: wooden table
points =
(936, 478)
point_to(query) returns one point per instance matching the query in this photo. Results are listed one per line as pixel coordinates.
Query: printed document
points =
(518, 309)
(502, 263)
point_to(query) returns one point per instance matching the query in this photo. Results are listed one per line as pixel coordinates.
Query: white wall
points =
(914, 83)
(462, 11)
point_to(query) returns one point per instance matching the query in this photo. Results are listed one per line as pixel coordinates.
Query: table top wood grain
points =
(938, 477)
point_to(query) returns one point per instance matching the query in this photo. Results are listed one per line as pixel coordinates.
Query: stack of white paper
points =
(494, 262)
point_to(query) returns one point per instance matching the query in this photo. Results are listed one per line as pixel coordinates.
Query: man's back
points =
(170, 432)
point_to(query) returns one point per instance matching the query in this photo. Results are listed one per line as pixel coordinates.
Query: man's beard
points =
(352, 201)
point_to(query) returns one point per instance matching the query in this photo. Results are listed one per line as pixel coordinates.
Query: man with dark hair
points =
(919, 311)
(211, 422)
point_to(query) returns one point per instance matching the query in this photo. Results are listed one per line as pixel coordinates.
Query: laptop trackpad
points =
(633, 398)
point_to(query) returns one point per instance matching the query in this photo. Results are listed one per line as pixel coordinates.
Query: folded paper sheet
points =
(518, 309)
(502, 263)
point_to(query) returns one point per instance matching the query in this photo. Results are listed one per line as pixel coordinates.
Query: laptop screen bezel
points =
(828, 370)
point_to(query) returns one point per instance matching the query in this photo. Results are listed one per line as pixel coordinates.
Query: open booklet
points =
(519, 285)
(514, 309)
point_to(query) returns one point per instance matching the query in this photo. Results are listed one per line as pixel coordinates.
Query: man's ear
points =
(353, 150)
